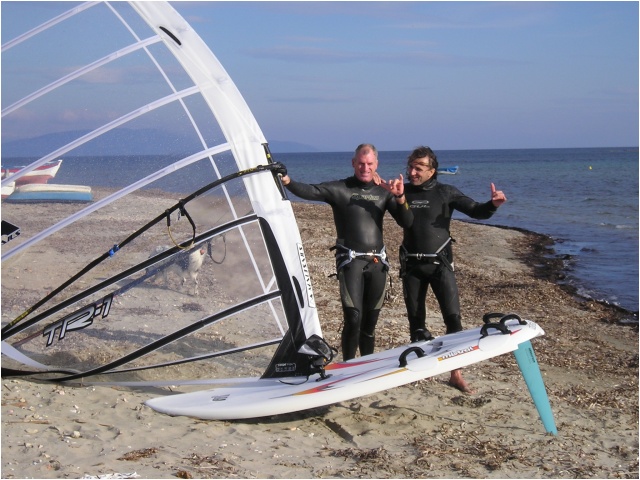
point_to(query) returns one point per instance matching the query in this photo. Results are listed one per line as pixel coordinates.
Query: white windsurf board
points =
(346, 380)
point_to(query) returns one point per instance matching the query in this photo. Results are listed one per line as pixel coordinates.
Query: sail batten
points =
(48, 24)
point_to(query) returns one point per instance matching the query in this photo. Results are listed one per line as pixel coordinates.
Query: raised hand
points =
(395, 186)
(497, 196)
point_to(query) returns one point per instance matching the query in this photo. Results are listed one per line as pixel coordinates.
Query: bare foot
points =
(456, 381)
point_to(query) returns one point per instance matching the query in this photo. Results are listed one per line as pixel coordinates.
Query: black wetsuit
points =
(358, 211)
(432, 204)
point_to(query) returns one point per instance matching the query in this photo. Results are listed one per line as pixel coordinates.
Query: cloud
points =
(479, 16)
(316, 99)
(314, 55)
(304, 54)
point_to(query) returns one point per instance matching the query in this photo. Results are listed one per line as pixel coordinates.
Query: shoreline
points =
(551, 266)
(552, 263)
(420, 430)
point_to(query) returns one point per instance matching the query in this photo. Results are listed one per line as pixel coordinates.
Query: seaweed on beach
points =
(209, 466)
(456, 444)
(475, 453)
(138, 454)
(367, 461)
(360, 455)
(622, 396)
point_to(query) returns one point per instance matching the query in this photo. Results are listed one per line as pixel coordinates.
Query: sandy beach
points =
(589, 360)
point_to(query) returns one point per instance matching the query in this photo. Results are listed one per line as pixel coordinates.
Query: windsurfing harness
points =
(345, 255)
(437, 258)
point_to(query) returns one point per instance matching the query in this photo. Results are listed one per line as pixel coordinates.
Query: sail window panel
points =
(232, 347)
(129, 19)
(106, 175)
(40, 12)
(230, 269)
(77, 244)
(258, 257)
(150, 318)
(100, 230)
(60, 48)
(103, 229)
(151, 302)
(166, 132)
(226, 164)
(167, 67)
(61, 254)
(203, 120)
(94, 235)
(119, 92)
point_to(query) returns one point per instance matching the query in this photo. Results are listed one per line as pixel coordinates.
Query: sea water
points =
(586, 200)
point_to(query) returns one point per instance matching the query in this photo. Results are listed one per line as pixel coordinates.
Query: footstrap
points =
(403, 357)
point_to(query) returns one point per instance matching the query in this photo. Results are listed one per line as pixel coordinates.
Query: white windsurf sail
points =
(188, 263)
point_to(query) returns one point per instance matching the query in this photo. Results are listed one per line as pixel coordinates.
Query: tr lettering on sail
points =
(78, 320)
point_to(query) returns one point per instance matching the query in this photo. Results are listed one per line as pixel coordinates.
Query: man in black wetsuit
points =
(426, 257)
(359, 206)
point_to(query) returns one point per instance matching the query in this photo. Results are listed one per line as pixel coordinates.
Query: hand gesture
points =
(395, 186)
(497, 196)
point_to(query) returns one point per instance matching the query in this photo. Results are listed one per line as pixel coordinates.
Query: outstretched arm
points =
(302, 190)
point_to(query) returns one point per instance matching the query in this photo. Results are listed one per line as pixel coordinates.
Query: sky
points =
(452, 75)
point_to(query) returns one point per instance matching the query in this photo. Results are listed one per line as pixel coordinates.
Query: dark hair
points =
(422, 152)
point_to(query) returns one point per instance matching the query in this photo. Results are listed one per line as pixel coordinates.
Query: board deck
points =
(354, 378)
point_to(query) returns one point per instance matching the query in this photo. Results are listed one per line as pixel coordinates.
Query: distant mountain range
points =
(122, 142)
(279, 146)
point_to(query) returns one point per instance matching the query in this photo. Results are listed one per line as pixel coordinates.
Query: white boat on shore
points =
(8, 189)
(34, 192)
(39, 175)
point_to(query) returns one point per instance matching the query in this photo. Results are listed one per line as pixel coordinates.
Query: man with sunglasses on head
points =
(426, 257)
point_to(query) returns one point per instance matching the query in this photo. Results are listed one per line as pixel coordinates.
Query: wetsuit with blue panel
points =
(426, 256)
(358, 212)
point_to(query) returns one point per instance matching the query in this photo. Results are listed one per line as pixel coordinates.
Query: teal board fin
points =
(526, 358)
